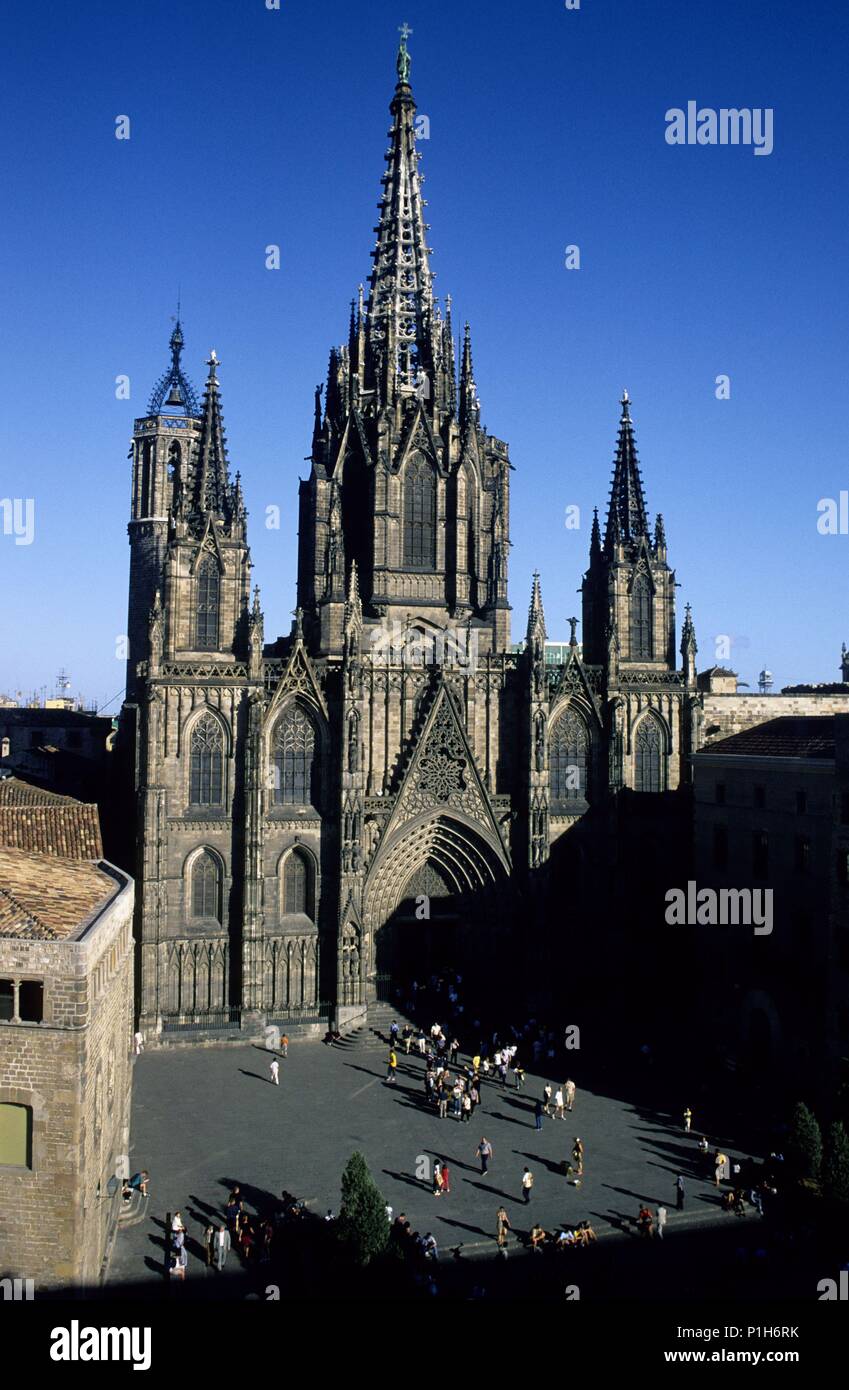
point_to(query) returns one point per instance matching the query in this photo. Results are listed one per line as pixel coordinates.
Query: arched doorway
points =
(433, 900)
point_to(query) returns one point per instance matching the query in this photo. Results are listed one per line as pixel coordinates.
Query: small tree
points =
(835, 1169)
(363, 1223)
(805, 1144)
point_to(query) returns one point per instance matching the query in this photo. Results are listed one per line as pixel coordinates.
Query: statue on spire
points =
(403, 63)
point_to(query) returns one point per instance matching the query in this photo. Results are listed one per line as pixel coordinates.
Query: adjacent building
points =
(771, 815)
(66, 981)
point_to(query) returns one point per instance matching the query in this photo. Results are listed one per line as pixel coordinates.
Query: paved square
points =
(205, 1118)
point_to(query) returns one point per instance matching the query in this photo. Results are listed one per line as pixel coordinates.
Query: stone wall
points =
(74, 1071)
(725, 715)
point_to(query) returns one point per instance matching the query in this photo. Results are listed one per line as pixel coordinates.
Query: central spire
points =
(626, 517)
(400, 302)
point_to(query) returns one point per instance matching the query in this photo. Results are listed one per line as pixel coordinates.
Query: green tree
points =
(363, 1223)
(835, 1169)
(804, 1146)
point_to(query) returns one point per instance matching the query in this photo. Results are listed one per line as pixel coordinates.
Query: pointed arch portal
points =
(450, 869)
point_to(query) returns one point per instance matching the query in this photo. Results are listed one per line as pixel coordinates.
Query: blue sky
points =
(251, 127)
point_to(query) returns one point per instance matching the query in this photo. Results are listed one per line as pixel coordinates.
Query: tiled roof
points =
(44, 822)
(45, 898)
(792, 736)
(15, 792)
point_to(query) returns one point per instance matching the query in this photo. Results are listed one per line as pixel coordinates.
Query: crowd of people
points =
(255, 1239)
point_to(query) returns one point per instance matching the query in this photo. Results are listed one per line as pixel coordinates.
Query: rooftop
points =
(47, 898)
(37, 715)
(792, 736)
(43, 822)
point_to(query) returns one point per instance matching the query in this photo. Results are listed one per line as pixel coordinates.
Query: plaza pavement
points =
(205, 1118)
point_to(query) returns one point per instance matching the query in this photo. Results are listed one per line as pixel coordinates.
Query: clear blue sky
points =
(252, 127)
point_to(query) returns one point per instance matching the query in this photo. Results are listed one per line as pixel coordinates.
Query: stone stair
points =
(133, 1211)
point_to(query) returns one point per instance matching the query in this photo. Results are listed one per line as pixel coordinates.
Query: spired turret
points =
(629, 586)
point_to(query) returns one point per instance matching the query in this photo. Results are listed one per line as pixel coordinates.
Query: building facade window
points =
(21, 1001)
(648, 761)
(294, 762)
(641, 619)
(760, 854)
(569, 758)
(208, 605)
(803, 854)
(298, 895)
(206, 779)
(15, 1136)
(419, 515)
(206, 887)
(720, 846)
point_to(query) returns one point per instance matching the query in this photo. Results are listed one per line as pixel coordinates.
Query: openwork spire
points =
(536, 615)
(212, 491)
(400, 303)
(173, 389)
(626, 516)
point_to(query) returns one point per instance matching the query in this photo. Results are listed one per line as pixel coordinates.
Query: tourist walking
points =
(284, 1045)
(546, 1099)
(392, 1068)
(222, 1247)
(519, 1073)
(437, 1179)
(275, 1071)
(679, 1193)
(661, 1221)
(446, 1179)
(645, 1222)
(569, 1092)
(688, 1120)
(578, 1157)
(209, 1245)
(138, 1043)
(484, 1152)
(538, 1115)
(720, 1165)
(502, 1226)
(559, 1104)
(527, 1184)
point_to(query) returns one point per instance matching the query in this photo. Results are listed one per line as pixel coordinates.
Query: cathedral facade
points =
(374, 796)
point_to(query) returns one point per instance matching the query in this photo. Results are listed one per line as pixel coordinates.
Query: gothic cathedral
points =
(375, 796)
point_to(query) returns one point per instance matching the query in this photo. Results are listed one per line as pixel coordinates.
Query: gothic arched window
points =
(294, 763)
(298, 883)
(420, 514)
(641, 619)
(206, 887)
(648, 764)
(146, 478)
(206, 763)
(208, 603)
(569, 758)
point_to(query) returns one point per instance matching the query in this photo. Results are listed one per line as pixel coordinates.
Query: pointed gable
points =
(298, 678)
(442, 774)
